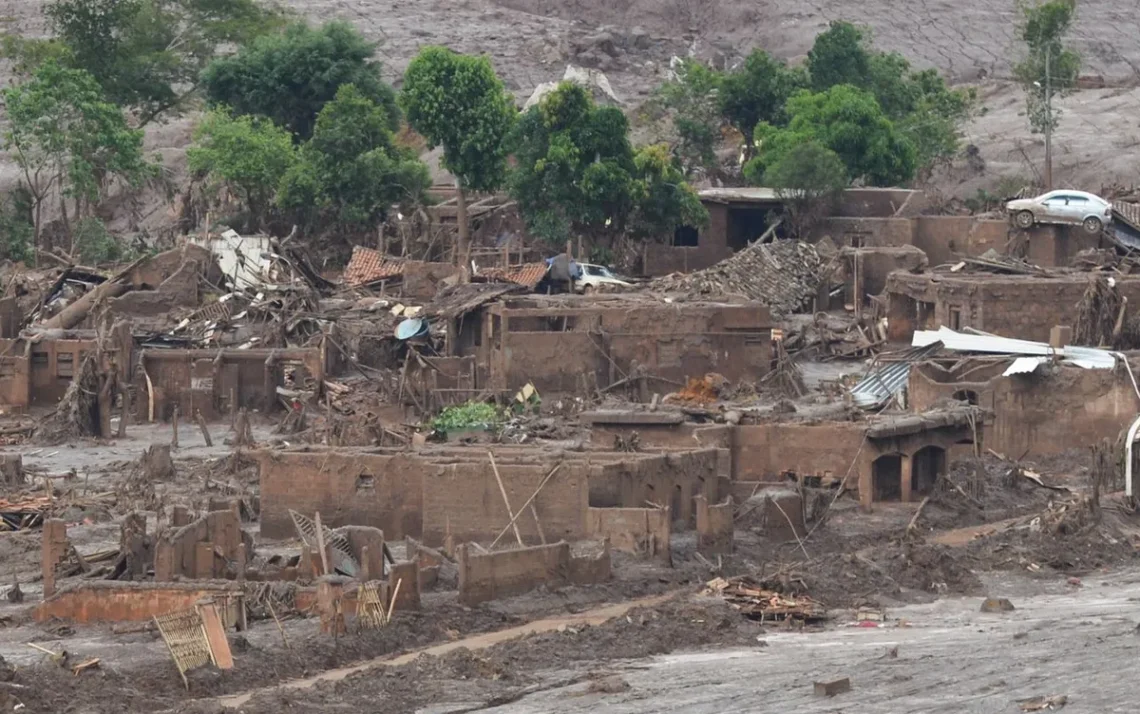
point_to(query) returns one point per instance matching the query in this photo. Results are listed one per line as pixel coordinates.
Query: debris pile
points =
(784, 275)
(757, 603)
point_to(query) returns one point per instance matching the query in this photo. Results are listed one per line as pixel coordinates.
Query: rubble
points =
(757, 603)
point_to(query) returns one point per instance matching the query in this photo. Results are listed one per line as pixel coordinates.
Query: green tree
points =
(1049, 68)
(146, 54)
(838, 56)
(693, 97)
(69, 141)
(456, 101)
(249, 155)
(664, 202)
(808, 178)
(351, 171)
(924, 109)
(849, 122)
(290, 76)
(17, 234)
(574, 169)
(758, 91)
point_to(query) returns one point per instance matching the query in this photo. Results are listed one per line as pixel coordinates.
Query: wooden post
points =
(124, 410)
(202, 425)
(321, 544)
(174, 421)
(506, 501)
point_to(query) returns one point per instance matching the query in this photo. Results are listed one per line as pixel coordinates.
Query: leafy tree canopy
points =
(146, 54)
(808, 178)
(290, 76)
(575, 166)
(66, 137)
(758, 91)
(693, 95)
(664, 200)
(457, 102)
(1049, 67)
(248, 154)
(924, 109)
(351, 170)
(847, 121)
(839, 56)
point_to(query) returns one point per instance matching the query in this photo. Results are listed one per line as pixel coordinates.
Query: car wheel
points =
(1024, 219)
(588, 290)
(1093, 225)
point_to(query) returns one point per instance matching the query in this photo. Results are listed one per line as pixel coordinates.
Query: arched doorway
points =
(886, 477)
(927, 464)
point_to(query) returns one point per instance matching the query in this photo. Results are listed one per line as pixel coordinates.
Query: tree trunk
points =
(66, 225)
(38, 228)
(463, 249)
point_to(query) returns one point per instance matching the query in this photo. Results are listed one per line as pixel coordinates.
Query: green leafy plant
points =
(472, 415)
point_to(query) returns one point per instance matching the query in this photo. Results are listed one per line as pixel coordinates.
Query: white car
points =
(593, 276)
(1075, 208)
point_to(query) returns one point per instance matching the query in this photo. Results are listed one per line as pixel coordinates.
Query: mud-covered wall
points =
(559, 346)
(192, 551)
(1011, 306)
(128, 602)
(641, 531)
(1060, 409)
(347, 488)
(484, 577)
(714, 526)
(464, 499)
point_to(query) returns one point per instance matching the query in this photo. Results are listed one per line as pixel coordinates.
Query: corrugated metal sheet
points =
(877, 388)
(1024, 365)
(1087, 357)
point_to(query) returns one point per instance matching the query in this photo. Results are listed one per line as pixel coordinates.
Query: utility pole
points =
(1048, 121)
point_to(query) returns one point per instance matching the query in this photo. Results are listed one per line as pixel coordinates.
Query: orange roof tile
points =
(529, 274)
(367, 266)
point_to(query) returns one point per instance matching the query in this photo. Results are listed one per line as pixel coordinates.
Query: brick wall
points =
(714, 526)
(484, 577)
(126, 602)
(189, 552)
(348, 488)
(876, 232)
(764, 451)
(659, 259)
(464, 499)
(670, 480)
(1012, 306)
(944, 238)
(1057, 410)
(641, 531)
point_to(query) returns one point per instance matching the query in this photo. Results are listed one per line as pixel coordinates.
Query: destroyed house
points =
(36, 371)
(570, 343)
(218, 382)
(1034, 408)
(884, 458)
(1020, 306)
